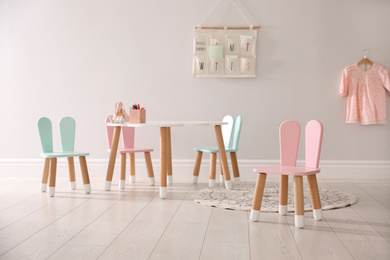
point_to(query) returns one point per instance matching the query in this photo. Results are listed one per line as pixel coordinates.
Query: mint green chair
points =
(227, 131)
(67, 127)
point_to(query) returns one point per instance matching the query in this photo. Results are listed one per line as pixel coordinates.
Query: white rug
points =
(241, 197)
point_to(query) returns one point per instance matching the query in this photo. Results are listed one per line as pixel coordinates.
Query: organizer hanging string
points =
(235, 5)
(242, 13)
(211, 10)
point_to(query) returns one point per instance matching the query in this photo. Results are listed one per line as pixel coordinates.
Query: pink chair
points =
(128, 147)
(289, 139)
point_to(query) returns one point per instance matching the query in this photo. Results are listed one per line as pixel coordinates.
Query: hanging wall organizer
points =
(225, 52)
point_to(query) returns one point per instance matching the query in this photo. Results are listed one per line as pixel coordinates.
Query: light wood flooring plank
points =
(107, 226)
(271, 238)
(369, 209)
(17, 232)
(139, 238)
(180, 241)
(348, 225)
(13, 185)
(361, 240)
(196, 187)
(44, 243)
(225, 251)
(317, 240)
(26, 189)
(227, 226)
(78, 252)
(23, 208)
(368, 249)
(191, 212)
(378, 191)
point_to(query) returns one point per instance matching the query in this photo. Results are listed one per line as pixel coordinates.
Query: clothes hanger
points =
(365, 60)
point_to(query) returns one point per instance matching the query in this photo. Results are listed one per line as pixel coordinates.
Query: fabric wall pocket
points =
(202, 66)
(232, 65)
(224, 42)
(248, 67)
(216, 52)
(248, 46)
(200, 47)
(224, 53)
(216, 66)
(216, 41)
(232, 46)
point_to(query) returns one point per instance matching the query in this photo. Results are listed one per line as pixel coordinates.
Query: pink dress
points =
(366, 90)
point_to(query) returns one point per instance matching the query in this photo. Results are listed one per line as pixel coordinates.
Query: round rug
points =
(241, 197)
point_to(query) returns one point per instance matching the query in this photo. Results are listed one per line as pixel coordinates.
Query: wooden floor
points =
(137, 224)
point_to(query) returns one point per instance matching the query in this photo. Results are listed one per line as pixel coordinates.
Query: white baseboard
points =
(340, 169)
(190, 162)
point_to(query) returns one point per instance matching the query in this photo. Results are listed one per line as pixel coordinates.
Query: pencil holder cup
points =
(137, 116)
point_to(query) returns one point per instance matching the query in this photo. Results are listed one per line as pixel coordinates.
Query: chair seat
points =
(287, 170)
(213, 149)
(63, 154)
(133, 150)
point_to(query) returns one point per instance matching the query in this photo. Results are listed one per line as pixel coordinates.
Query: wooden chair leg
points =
(149, 167)
(258, 197)
(132, 167)
(213, 166)
(85, 175)
(72, 174)
(163, 162)
(283, 194)
(236, 171)
(298, 202)
(169, 157)
(111, 161)
(52, 176)
(122, 171)
(222, 157)
(315, 197)
(198, 161)
(221, 177)
(45, 174)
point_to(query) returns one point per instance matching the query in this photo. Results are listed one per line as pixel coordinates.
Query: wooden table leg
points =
(163, 162)
(111, 162)
(169, 156)
(223, 158)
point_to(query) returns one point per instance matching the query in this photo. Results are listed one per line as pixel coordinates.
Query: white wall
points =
(78, 58)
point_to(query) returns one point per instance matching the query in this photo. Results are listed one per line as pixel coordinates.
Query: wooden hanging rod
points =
(230, 28)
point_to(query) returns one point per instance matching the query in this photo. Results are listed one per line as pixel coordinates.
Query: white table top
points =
(169, 123)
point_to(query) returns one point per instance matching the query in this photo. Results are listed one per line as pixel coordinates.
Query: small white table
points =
(165, 149)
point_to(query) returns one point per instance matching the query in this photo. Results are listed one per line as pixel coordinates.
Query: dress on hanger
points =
(366, 87)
